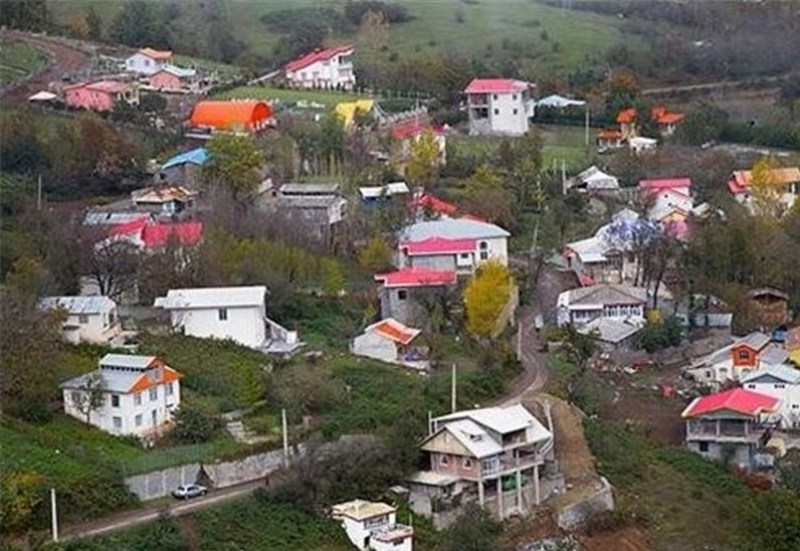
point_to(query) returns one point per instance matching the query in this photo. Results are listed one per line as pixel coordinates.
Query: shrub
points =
(194, 425)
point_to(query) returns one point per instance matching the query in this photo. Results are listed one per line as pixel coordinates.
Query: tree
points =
(94, 25)
(765, 189)
(235, 163)
(20, 493)
(111, 264)
(333, 278)
(140, 24)
(702, 124)
(487, 293)
(375, 256)
(473, 530)
(770, 520)
(487, 197)
(90, 395)
(195, 424)
(28, 15)
(422, 167)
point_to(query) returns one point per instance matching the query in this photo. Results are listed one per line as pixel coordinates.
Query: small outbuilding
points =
(390, 341)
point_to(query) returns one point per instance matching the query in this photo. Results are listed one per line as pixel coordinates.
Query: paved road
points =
(139, 516)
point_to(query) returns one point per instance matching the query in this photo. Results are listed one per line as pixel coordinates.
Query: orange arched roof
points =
(228, 115)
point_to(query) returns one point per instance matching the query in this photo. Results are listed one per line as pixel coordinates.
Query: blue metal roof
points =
(196, 156)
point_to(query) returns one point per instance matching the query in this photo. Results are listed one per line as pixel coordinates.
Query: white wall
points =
(328, 74)
(245, 325)
(98, 328)
(373, 345)
(359, 530)
(139, 63)
(128, 410)
(789, 396)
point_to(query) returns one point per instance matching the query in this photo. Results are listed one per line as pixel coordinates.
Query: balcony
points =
(509, 463)
(722, 430)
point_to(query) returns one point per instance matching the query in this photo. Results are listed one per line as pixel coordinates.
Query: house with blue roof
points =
(185, 169)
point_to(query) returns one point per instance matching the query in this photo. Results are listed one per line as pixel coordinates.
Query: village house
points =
(148, 61)
(556, 101)
(127, 395)
(730, 426)
(390, 341)
(410, 132)
(608, 139)
(235, 313)
(608, 256)
(452, 244)
(704, 310)
(317, 210)
(184, 169)
(494, 454)
(407, 293)
(768, 306)
(627, 123)
(372, 195)
(100, 95)
(640, 144)
(669, 202)
(163, 200)
(348, 111)
(592, 179)
(666, 120)
(426, 206)
(173, 79)
(781, 382)
(611, 314)
(732, 362)
(148, 234)
(499, 106)
(91, 319)
(373, 526)
(787, 180)
(231, 116)
(330, 69)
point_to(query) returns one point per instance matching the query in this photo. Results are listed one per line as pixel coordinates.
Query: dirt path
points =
(64, 60)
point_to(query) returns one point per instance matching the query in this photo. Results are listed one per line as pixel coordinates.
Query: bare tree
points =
(90, 395)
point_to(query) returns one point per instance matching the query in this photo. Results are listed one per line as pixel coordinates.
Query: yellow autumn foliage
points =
(486, 294)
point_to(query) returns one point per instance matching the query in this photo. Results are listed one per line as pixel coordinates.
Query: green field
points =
(18, 59)
(328, 99)
(556, 39)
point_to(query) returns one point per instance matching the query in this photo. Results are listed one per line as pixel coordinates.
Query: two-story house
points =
(91, 319)
(148, 61)
(330, 68)
(732, 362)
(373, 526)
(499, 106)
(452, 244)
(785, 180)
(729, 426)
(127, 395)
(781, 382)
(406, 293)
(163, 200)
(235, 313)
(495, 453)
(317, 210)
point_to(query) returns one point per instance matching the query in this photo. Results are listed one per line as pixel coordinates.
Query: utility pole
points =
(54, 514)
(39, 194)
(453, 391)
(587, 127)
(285, 439)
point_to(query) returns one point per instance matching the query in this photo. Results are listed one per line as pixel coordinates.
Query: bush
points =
(657, 336)
(194, 425)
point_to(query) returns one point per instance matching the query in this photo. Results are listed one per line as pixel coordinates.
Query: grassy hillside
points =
(554, 38)
(18, 59)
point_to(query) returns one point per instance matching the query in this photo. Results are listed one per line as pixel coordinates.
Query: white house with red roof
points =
(127, 395)
(499, 106)
(330, 69)
(405, 291)
(786, 179)
(148, 61)
(669, 202)
(407, 133)
(391, 341)
(730, 426)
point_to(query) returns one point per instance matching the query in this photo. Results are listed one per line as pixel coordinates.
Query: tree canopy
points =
(487, 293)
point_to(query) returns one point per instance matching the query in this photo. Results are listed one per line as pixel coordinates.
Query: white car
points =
(188, 491)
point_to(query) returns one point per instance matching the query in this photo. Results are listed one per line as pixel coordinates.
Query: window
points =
(402, 294)
(465, 256)
(154, 417)
(751, 387)
(115, 400)
(117, 422)
(484, 255)
(467, 463)
(137, 399)
(780, 386)
(494, 97)
(222, 314)
(443, 460)
(83, 319)
(139, 420)
(702, 447)
(170, 389)
(743, 354)
(795, 406)
(516, 111)
(514, 97)
(153, 394)
(496, 111)
(76, 397)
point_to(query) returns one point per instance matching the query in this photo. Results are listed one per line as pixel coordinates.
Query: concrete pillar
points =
(519, 489)
(480, 492)
(536, 483)
(500, 497)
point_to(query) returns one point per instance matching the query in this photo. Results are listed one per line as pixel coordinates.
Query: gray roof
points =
(756, 339)
(113, 380)
(452, 228)
(308, 201)
(780, 372)
(128, 361)
(309, 189)
(78, 304)
(97, 217)
(595, 295)
(772, 354)
(213, 297)
(499, 419)
(610, 330)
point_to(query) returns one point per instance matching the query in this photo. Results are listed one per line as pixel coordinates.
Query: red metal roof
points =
(134, 226)
(626, 116)
(663, 116)
(227, 115)
(609, 134)
(438, 245)
(426, 200)
(737, 400)
(662, 184)
(317, 55)
(496, 86)
(417, 277)
(413, 128)
(184, 233)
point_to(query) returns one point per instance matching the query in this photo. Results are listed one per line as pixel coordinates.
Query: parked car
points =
(188, 491)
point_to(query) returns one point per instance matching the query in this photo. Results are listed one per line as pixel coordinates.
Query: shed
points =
(231, 115)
